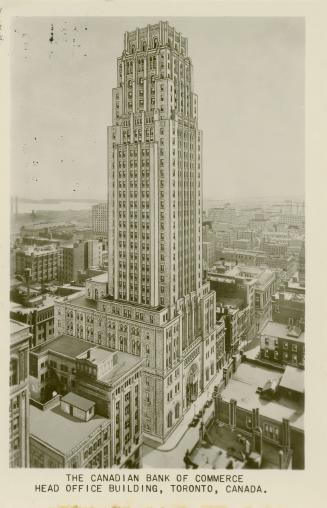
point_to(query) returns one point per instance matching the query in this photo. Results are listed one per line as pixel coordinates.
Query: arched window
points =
(132, 48)
(170, 419)
(143, 46)
(147, 349)
(13, 374)
(155, 42)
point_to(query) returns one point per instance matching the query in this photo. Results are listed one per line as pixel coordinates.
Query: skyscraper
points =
(157, 306)
(154, 175)
(155, 209)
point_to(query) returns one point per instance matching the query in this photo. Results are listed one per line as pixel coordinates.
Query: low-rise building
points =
(111, 379)
(289, 308)
(283, 344)
(69, 434)
(264, 407)
(42, 263)
(39, 315)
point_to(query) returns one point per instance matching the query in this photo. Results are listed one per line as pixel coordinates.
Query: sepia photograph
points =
(157, 243)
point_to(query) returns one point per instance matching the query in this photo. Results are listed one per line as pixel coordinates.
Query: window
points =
(169, 419)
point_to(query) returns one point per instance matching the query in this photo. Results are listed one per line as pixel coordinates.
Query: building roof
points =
(78, 401)
(82, 301)
(293, 379)
(282, 331)
(15, 328)
(103, 277)
(125, 362)
(60, 431)
(65, 344)
(243, 388)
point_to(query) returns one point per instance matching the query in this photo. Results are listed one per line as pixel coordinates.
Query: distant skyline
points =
(248, 73)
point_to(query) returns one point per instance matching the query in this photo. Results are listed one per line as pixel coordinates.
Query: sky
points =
(248, 73)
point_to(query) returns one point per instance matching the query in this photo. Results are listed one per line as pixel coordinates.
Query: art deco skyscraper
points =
(155, 223)
(155, 304)
(155, 189)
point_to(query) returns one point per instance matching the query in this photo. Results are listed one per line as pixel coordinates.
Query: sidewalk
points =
(171, 453)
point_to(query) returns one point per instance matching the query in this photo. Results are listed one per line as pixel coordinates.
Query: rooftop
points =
(61, 431)
(82, 301)
(78, 401)
(65, 344)
(283, 331)
(125, 362)
(293, 379)
(16, 327)
(98, 355)
(74, 348)
(243, 386)
(103, 277)
(18, 307)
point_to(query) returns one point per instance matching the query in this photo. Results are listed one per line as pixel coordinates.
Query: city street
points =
(172, 452)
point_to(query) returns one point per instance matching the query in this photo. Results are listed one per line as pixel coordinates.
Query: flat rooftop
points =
(236, 303)
(282, 331)
(98, 355)
(293, 379)
(62, 432)
(103, 277)
(82, 301)
(243, 385)
(125, 362)
(15, 328)
(78, 401)
(73, 348)
(65, 344)
(24, 309)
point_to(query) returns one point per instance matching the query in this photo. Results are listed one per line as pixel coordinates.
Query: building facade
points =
(111, 379)
(40, 319)
(42, 263)
(100, 219)
(283, 344)
(19, 395)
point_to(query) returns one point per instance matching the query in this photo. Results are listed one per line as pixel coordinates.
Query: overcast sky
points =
(248, 73)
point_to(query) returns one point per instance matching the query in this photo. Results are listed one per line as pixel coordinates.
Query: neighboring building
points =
(73, 260)
(39, 315)
(224, 213)
(209, 254)
(157, 305)
(93, 253)
(266, 408)
(265, 287)
(111, 379)
(220, 344)
(282, 344)
(237, 326)
(69, 435)
(19, 395)
(293, 220)
(42, 263)
(100, 219)
(289, 308)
